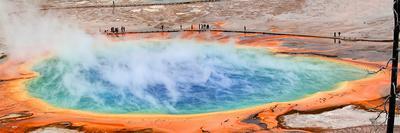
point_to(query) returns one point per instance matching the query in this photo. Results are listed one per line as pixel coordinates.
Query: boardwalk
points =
(262, 32)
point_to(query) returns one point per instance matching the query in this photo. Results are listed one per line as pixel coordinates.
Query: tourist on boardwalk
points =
(162, 27)
(208, 27)
(339, 34)
(116, 31)
(122, 29)
(112, 30)
(334, 34)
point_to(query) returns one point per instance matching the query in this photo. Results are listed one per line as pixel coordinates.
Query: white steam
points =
(29, 32)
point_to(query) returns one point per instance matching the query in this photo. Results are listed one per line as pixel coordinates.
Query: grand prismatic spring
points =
(182, 77)
(186, 66)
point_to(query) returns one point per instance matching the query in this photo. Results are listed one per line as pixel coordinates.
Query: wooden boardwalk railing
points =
(263, 32)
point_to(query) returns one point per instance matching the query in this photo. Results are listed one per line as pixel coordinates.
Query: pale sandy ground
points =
(54, 130)
(348, 116)
(354, 18)
(370, 19)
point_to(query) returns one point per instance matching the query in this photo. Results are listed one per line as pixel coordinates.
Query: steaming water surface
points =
(181, 77)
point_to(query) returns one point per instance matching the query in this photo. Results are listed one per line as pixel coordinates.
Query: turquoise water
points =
(181, 77)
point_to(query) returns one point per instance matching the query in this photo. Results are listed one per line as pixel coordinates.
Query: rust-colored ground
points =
(20, 112)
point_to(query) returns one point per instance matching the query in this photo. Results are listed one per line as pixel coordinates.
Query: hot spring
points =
(181, 77)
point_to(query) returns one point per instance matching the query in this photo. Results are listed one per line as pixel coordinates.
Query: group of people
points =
(338, 35)
(334, 34)
(204, 27)
(116, 30)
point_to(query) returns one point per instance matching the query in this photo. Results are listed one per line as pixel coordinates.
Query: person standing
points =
(339, 34)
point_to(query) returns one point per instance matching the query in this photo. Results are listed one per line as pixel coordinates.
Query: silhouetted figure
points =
(339, 34)
(113, 3)
(199, 26)
(191, 27)
(116, 30)
(162, 27)
(334, 34)
(122, 29)
(181, 27)
(112, 30)
(244, 28)
(208, 27)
